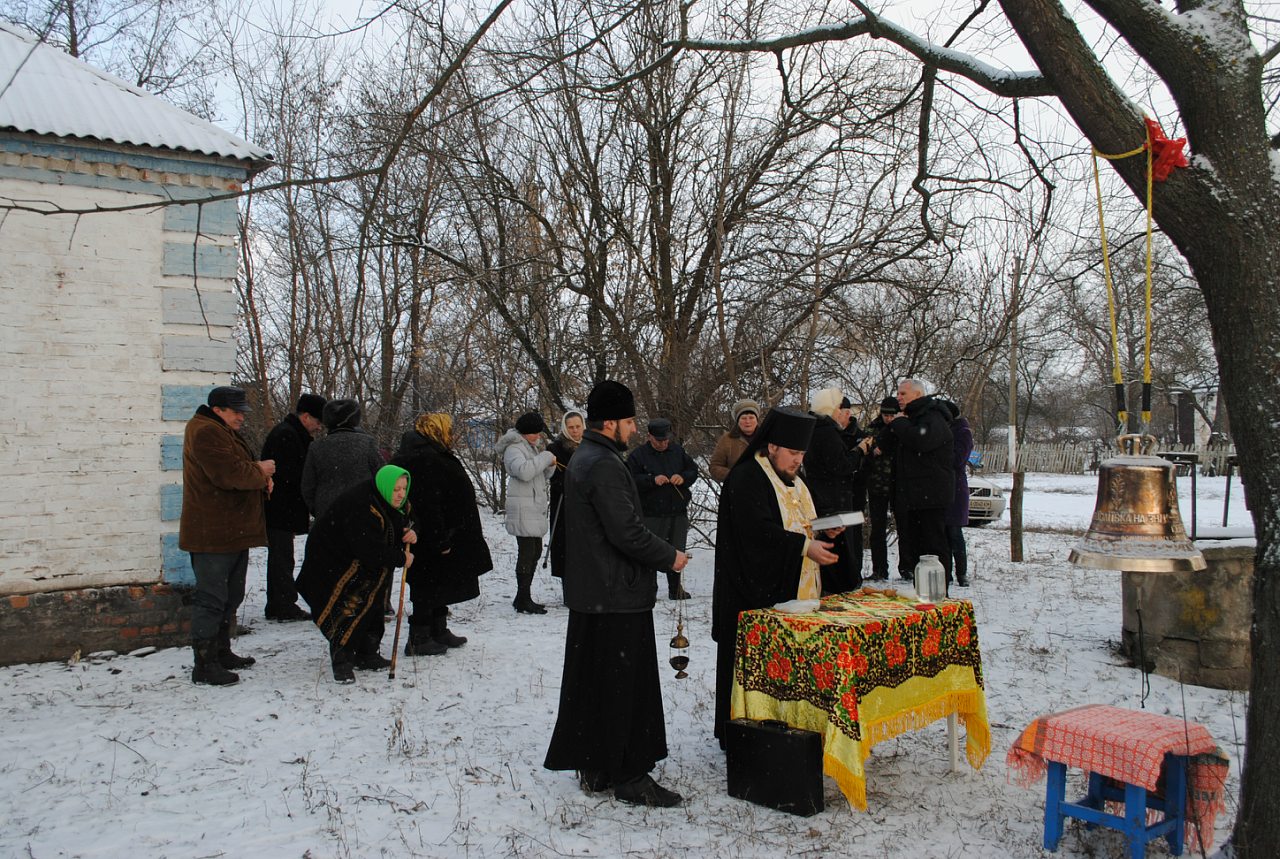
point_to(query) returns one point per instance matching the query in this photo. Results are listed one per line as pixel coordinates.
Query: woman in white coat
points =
(529, 468)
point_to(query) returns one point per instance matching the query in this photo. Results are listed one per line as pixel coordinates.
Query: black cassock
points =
(610, 718)
(758, 565)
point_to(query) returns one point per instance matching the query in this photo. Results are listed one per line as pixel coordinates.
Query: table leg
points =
(953, 742)
(1175, 800)
(1055, 792)
(1135, 820)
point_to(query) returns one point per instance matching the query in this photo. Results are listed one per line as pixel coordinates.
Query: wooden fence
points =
(1084, 458)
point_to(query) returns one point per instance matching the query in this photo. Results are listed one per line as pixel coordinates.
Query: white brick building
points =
(113, 326)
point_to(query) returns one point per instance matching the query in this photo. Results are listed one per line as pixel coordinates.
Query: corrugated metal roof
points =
(46, 91)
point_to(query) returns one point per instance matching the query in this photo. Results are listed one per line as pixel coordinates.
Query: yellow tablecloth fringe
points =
(882, 715)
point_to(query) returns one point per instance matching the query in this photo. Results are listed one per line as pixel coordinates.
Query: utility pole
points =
(1015, 499)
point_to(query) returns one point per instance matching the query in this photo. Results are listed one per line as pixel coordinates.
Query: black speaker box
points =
(773, 764)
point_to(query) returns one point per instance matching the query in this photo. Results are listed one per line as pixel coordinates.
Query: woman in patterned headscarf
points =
(453, 554)
(362, 536)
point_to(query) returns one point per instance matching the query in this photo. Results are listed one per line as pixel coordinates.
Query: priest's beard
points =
(787, 477)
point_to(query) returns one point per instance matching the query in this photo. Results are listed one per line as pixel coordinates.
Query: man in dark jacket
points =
(879, 474)
(832, 466)
(924, 481)
(287, 515)
(664, 475)
(222, 494)
(610, 725)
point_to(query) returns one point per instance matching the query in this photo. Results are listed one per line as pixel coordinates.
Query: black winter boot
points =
(523, 602)
(674, 589)
(421, 643)
(208, 670)
(225, 656)
(440, 630)
(343, 661)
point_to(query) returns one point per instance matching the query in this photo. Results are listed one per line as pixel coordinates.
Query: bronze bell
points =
(1136, 525)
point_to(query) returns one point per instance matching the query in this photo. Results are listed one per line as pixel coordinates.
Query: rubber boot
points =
(523, 602)
(225, 657)
(440, 630)
(674, 590)
(208, 670)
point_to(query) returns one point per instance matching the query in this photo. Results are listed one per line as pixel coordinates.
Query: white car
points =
(986, 501)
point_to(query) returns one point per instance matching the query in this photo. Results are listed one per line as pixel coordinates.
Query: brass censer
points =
(679, 641)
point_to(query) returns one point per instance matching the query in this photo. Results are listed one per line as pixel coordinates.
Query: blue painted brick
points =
(177, 563)
(214, 261)
(171, 453)
(214, 219)
(170, 502)
(179, 402)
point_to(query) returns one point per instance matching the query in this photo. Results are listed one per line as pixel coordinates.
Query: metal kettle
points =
(930, 579)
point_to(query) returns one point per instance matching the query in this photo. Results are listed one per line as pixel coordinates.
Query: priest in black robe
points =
(610, 726)
(759, 561)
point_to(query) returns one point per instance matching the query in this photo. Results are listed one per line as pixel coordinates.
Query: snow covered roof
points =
(46, 91)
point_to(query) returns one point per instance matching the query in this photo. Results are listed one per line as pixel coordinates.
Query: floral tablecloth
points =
(865, 667)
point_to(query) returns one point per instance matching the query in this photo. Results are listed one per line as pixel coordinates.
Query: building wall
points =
(112, 328)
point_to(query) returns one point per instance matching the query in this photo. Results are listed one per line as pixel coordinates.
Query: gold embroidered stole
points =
(797, 508)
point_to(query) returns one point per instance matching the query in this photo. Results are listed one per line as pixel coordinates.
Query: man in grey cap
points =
(664, 474)
(223, 488)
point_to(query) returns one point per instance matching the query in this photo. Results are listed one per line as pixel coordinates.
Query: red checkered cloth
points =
(1129, 746)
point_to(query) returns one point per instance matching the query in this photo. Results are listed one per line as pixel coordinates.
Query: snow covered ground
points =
(123, 756)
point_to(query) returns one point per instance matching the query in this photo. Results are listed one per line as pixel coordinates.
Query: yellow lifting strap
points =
(1117, 376)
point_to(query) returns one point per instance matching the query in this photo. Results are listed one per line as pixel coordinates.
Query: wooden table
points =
(863, 668)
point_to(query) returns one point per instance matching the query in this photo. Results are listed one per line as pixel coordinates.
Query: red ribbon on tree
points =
(1166, 154)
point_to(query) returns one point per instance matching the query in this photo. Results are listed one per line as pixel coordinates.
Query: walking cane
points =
(395, 644)
(546, 556)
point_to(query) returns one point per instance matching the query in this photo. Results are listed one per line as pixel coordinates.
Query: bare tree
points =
(1203, 54)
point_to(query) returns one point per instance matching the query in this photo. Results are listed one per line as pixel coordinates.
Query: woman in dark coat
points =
(351, 551)
(453, 554)
(571, 429)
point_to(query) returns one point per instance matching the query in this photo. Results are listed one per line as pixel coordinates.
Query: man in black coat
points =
(287, 515)
(664, 475)
(759, 559)
(924, 480)
(610, 725)
(832, 471)
(878, 469)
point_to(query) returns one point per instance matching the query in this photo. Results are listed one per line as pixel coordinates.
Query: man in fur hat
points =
(764, 551)
(610, 725)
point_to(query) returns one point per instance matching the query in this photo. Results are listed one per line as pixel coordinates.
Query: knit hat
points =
(889, 406)
(229, 397)
(826, 401)
(610, 401)
(386, 480)
(530, 422)
(741, 407)
(339, 414)
(311, 404)
(952, 408)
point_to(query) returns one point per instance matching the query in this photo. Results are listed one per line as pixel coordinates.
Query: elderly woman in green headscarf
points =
(351, 552)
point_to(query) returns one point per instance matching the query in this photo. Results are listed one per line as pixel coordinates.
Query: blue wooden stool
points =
(1136, 802)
